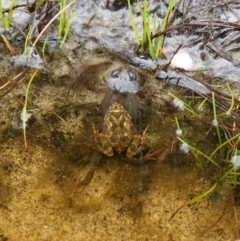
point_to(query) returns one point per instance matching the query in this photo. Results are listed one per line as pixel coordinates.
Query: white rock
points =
(235, 160)
(178, 132)
(183, 61)
(184, 147)
(179, 105)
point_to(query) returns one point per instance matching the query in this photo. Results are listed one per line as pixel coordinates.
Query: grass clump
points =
(153, 46)
(65, 20)
(6, 20)
(223, 159)
(63, 26)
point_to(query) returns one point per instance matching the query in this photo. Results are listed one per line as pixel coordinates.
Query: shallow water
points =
(40, 198)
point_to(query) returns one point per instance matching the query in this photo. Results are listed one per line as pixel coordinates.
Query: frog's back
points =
(118, 127)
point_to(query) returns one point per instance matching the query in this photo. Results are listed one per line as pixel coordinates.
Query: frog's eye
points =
(115, 74)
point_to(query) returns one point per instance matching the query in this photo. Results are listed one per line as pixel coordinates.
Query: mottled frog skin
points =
(120, 109)
(119, 134)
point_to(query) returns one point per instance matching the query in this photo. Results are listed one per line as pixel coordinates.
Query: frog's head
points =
(124, 80)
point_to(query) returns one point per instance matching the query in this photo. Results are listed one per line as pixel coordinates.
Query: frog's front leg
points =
(101, 143)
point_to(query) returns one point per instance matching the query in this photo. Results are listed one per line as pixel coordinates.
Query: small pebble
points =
(183, 61)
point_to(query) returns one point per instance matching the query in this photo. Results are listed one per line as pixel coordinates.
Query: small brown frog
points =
(119, 134)
(121, 110)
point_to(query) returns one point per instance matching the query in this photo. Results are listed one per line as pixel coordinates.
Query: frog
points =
(121, 116)
(119, 134)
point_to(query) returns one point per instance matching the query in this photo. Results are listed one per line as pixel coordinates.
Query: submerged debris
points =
(184, 147)
(30, 59)
(124, 80)
(19, 122)
(235, 160)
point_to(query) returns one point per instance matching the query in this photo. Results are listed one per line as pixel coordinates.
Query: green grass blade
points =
(62, 4)
(228, 112)
(25, 109)
(171, 5)
(198, 198)
(215, 118)
(44, 45)
(154, 30)
(10, 13)
(144, 32)
(227, 173)
(177, 123)
(4, 20)
(133, 22)
(201, 153)
(186, 106)
(67, 27)
(26, 40)
(223, 144)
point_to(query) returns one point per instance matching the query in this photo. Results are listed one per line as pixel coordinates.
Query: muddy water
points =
(39, 195)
